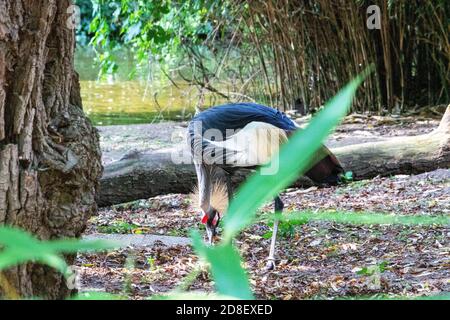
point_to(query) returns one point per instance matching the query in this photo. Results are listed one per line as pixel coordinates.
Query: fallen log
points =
(399, 155)
(140, 176)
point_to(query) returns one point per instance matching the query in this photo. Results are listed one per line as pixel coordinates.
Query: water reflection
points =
(119, 100)
(124, 102)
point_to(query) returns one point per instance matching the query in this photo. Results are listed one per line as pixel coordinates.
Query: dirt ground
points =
(315, 260)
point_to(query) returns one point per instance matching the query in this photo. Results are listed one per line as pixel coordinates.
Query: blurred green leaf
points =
(97, 296)
(192, 296)
(443, 296)
(366, 218)
(229, 276)
(20, 247)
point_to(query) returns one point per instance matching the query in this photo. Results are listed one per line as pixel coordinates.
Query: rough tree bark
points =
(140, 176)
(49, 151)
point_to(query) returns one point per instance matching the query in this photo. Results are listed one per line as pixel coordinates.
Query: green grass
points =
(286, 229)
(121, 227)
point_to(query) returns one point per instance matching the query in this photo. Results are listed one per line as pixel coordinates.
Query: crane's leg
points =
(271, 259)
(229, 187)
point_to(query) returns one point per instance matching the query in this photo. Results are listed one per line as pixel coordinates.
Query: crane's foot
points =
(270, 265)
(211, 241)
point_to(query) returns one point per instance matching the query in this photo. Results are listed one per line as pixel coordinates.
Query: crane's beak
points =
(211, 222)
(211, 231)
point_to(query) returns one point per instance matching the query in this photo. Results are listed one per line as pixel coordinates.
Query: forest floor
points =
(315, 260)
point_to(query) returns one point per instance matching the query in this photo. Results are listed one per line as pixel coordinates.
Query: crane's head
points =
(211, 220)
(212, 211)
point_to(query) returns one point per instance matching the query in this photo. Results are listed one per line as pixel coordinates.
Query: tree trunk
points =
(140, 176)
(49, 151)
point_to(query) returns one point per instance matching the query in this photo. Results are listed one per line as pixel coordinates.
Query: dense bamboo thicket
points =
(311, 48)
(290, 53)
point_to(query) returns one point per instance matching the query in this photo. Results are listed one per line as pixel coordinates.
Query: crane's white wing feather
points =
(253, 145)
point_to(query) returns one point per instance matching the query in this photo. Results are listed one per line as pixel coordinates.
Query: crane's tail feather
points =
(219, 196)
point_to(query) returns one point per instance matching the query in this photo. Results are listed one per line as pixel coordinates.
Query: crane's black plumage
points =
(238, 115)
(325, 167)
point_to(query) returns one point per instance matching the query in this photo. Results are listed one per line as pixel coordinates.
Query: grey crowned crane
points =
(244, 135)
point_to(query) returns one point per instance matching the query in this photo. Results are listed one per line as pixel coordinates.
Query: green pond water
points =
(147, 99)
